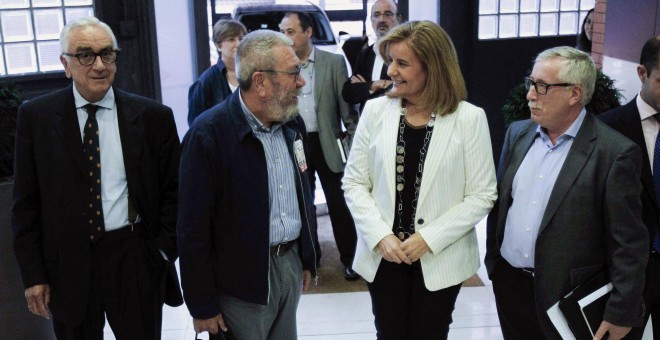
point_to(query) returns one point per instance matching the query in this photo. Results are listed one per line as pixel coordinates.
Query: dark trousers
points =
(404, 309)
(127, 282)
(516, 304)
(343, 226)
(651, 299)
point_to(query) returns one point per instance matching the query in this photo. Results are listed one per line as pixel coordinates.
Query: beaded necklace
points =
(401, 232)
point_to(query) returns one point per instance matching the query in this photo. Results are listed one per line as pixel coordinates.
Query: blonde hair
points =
(445, 86)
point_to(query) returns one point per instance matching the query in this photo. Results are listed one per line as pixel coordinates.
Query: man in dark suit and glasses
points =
(568, 206)
(638, 120)
(370, 79)
(95, 193)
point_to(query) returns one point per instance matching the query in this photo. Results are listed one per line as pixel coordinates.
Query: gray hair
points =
(578, 68)
(255, 52)
(81, 23)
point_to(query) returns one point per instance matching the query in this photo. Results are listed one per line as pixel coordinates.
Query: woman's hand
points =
(414, 247)
(390, 249)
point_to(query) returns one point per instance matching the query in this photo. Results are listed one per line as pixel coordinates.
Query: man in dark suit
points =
(568, 206)
(323, 111)
(638, 120)
(370, 79)
(95, 193)
(246, 228)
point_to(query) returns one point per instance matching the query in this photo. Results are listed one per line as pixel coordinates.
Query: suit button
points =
(420, 221)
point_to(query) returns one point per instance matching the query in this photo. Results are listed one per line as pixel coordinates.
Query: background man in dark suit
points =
(568, 206)
(323, 110)
(370, 79)
(246, 229)
(95, 198)
(638, 120)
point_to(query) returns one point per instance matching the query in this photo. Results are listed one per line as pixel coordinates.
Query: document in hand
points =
(342, 143)
(579, 314)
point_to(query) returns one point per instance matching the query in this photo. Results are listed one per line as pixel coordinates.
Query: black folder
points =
(584, 306)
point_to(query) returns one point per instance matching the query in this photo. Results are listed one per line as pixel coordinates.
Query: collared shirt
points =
(650, 126)
(285, 220)
(531, 189)
(378, 64)
(306, 103)
(114, 187)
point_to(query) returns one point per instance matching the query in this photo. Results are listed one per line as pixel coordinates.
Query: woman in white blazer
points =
(419, 176)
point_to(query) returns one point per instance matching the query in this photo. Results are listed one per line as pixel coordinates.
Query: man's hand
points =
(358, 79)
(210, 325)
(390, 249)
(378, 85)
(615, 332)
(307, 280)
(38, 299)
(414, 247)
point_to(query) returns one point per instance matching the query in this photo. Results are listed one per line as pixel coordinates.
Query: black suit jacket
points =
(358, 93)
(591, 223)
(51, 238)
(626, 120)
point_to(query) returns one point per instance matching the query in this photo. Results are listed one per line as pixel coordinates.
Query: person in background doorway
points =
(370, 79)
(586, 33)
(324, 110)
(219, 81)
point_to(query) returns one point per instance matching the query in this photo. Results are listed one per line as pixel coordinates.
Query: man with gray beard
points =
(247, 230)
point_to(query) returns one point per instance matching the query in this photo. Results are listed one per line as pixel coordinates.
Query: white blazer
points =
(458, 190)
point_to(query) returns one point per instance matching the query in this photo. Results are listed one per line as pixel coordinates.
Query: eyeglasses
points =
(295, 73)
(88, 58)
(386, 15)
(541, 88)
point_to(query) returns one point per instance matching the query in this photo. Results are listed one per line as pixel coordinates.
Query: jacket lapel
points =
(442, 132)
(631, 127)
(67, 127)
(577, 157)
(390, 128)
(132, 136)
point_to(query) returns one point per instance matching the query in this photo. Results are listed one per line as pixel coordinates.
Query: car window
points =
(271, 20)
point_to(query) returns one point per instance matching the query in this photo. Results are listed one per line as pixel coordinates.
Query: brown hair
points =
(227, 28)
(445, 86)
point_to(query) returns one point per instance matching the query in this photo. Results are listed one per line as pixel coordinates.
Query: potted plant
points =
(605, 98)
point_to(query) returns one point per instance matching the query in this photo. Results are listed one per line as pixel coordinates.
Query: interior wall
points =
(622, 47)
(175, 53)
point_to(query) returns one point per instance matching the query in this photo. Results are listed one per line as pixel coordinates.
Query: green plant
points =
(605, 98)
(10, 100)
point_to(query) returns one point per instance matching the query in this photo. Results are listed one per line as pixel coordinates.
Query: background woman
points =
(584, 38)
(219, 81)
(420, 175)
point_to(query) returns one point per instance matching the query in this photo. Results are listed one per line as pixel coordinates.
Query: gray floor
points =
(347, 316)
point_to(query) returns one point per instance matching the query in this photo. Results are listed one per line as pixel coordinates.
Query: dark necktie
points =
(93, 156)
(656, 180)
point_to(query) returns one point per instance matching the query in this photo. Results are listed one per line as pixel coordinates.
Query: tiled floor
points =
(347, 316)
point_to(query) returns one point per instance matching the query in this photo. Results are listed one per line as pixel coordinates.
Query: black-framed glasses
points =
(295, 74)
(541, 88)
(386, 15)
(88, 58)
